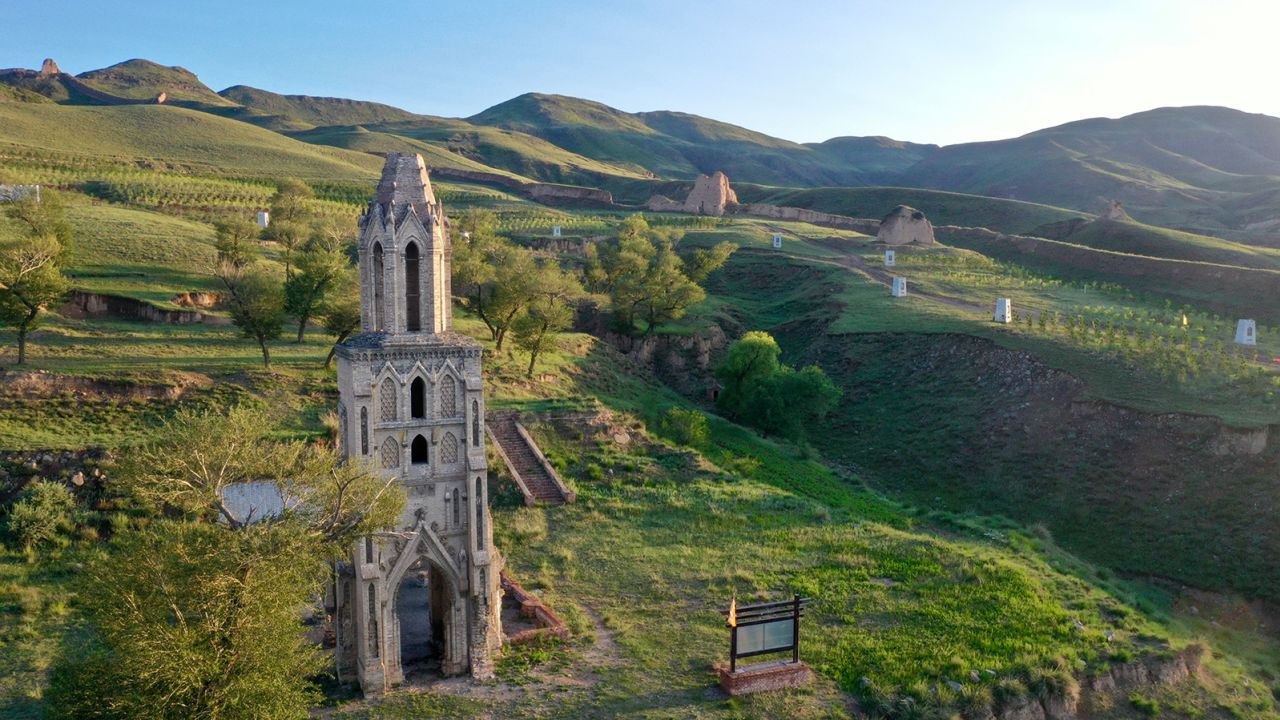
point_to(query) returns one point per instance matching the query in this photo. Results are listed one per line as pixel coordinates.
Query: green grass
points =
(942, 208)
(191, 139)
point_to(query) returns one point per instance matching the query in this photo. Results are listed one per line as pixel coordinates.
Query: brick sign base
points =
(764, 677)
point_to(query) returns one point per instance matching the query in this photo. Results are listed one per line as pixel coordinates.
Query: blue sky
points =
(928, 71)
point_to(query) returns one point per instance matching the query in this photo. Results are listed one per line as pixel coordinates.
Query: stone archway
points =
(426, 616)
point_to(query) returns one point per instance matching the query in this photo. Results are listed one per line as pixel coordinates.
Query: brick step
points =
(522, 459)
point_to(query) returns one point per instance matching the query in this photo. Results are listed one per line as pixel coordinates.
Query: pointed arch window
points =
(449, 449)
(364, 430)
(457, 509)
(475, 423)
(412, 291)
(373, 620)
(343, 443)
(418, 451)
(379, 311)
(448, 397)
(418, 398)
(387, 400)
(479, 515)
(390, 453)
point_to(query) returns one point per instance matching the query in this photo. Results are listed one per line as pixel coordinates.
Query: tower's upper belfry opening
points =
(405, 258)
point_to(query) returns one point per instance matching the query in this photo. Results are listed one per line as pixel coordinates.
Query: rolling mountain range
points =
(1209, 170)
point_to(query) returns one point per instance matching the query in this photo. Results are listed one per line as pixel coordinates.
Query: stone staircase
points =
(537, 480)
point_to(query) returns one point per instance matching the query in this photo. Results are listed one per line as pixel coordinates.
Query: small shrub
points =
(1146, 706)
(687, 427)
(40, 513)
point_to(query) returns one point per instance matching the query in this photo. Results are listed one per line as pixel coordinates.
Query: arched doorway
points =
(424, 603)
(412, 290)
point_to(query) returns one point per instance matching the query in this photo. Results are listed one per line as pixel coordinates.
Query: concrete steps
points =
(537, 480)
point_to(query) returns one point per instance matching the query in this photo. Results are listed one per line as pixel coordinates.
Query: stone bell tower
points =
(425, 593)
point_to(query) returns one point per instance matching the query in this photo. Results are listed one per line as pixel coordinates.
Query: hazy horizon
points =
(925, 72)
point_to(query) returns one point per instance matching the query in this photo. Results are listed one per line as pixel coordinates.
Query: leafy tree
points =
(702, 262)
(647, 281)
(749, 360)
(257, 304)
(550, 310)
(320, 265)
(30, 281)
(289, 236)
(196, 616)
(40, 512)
(340, 311)
(45, 218)
(476, 261)
(774, 397)
(188, 620)
(290, 203)
(234, 241)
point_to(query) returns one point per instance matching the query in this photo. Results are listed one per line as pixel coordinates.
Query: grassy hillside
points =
(144, 80)
(671, 144)
(1180, 167)
(314, 111)
(942, 208)
(177, 136)
(1140, 239)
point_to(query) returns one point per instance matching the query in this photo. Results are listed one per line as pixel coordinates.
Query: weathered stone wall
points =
(780, 212)
(710, 195)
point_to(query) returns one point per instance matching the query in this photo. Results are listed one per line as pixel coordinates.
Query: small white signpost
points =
(777, 241)
(555, 231)
(899, 287)
(890, 258)
(264, 218)
(1246, 332)
(1004, 310)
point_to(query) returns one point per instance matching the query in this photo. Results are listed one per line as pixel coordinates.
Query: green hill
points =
(1138, 239)
(314, 110)
(144, 80)
(672, 144)
(1170, 166)
(942, 208)
(177, 136)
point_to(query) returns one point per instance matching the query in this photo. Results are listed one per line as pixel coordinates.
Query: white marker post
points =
(264, 218)
(1004, 310)
(555, 231)
(1246, 332)
(777, 241)
(899, 287)
(890, 258)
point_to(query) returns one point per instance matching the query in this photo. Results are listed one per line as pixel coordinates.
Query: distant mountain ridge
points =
(1205, 169)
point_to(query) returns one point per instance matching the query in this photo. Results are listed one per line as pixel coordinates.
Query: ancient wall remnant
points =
(905, 226)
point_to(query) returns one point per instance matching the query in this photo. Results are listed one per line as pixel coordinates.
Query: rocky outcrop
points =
(1115, 212)
(905, 226)
(13, 193)
(86, 304)
(49, 67)
(550, 192)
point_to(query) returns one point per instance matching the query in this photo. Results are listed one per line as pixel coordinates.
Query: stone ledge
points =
(763, 677)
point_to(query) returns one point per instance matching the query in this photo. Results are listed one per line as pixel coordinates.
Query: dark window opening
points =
(418, 451)
(413, 311)
(378, 310)
(418, 398)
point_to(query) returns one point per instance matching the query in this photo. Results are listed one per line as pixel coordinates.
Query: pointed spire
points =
(404, 181)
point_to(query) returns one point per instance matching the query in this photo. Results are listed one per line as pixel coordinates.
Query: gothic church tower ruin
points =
(425, 593)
